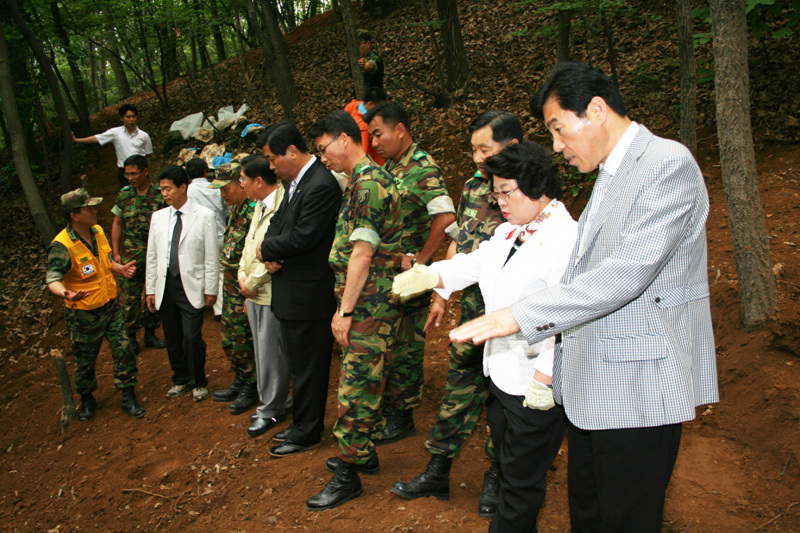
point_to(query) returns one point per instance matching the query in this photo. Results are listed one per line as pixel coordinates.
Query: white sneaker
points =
(177, 390)
(200, 394)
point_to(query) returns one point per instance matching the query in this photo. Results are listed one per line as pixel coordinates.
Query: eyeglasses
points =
(322, 150)
(132, 174)
(503, 194)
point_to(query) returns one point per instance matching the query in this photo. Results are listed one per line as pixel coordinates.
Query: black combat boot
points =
(88, 407)
(246, 400)
(434, 481)
(344, 486)
(134, 344)
(399, 425)
(151, 341)
(487, 504)
(371, 467)
(231, 393)
(129, 404)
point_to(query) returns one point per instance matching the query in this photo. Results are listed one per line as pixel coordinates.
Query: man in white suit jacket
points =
(182, 279)
(636, 351)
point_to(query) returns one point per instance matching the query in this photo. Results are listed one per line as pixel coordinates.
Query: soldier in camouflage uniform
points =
(80, 270)
(466, 388)
(365, 257)
(237, 339)
(135, 204)
(427, 212)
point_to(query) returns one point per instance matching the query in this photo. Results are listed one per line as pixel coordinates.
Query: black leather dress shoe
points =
(370, 468)
(282, 435)
(262, 425)
(290, 448)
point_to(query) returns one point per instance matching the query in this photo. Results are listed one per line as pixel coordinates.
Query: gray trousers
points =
(272, 364)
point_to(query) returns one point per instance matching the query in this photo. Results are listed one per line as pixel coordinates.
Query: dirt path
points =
(191, 467)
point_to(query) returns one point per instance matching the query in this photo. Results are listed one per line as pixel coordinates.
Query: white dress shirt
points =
(126, 144)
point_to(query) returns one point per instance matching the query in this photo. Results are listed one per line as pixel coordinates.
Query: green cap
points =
(226, 173)
(78, 198)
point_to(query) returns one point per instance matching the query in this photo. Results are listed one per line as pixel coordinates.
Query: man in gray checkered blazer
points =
(636, 354)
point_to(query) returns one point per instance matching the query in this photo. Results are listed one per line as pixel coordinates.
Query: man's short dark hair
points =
(136, 160)
(68, 212)
(392, 113)
(280, 137)
(124, 108)
(531, 165)
(259, 168)
(573, 85)
(376, 95)
(505, 126)
(196, 167)
(252, 157)
(365, 36)
(177, 175)
(334, 124)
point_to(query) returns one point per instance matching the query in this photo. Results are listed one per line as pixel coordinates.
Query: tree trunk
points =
(40, 218)
(688, 68)
(737, 156)
(77, 78)
(455, 56)
(313, 9)
(349, 22)
(58, 100)
(266, 47)
(564, 27)
(216, 30)
(289, 14)
(612, 56)
(284, 80)
(120, 77)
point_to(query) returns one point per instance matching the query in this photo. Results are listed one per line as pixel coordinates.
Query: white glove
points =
(414, 282)
(538, 396)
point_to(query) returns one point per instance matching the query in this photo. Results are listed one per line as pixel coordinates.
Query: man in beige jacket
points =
(272, 367)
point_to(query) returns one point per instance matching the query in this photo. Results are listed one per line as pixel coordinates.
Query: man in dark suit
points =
(295, 250)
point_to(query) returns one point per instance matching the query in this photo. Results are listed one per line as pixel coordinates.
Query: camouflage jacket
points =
(478, 214)
(135, 211)
(239, 219)
(424, 195)
(370, 212)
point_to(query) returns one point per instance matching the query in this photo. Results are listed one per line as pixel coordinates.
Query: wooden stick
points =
(149, 493)
(68, 402)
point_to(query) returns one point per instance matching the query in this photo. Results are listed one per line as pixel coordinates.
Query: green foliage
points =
(763, 16)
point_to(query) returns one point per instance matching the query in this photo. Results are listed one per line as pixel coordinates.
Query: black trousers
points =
(526, 444)
(618, 477)
(309, 344)
(183, 335)
(123, 181)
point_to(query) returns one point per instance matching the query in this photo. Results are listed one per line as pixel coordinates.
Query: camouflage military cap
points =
(78, 198)
(226, 173)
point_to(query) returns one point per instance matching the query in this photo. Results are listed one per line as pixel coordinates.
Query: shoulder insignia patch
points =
(363, 196)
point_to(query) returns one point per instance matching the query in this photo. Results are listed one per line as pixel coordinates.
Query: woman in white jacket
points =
(526, 254)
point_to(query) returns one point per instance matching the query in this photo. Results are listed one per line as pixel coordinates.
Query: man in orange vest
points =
(80, 269)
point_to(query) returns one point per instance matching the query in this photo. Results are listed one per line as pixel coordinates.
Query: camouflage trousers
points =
(365, 367)
(87, 329)
(404, 388)
(465, 391)
(237, 338)
(131, 293)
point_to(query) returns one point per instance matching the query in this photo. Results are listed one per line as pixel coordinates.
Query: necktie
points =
(292, 187)
(174, 265)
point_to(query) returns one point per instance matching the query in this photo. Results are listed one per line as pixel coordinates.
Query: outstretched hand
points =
(497, 324)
